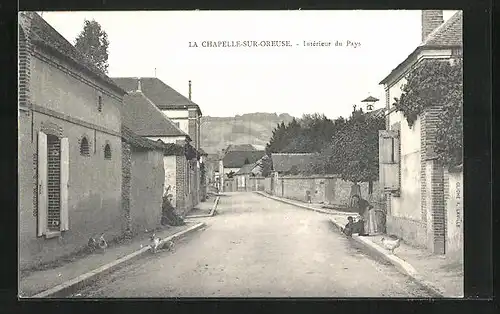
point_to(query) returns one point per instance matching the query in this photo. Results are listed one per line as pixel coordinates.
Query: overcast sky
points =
(229, 81)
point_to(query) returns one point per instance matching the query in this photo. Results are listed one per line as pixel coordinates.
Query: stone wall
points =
(322, 189)
(147, 185)
(126, 181)
(187, 177)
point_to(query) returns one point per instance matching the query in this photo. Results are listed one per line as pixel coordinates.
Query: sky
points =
(235, 80)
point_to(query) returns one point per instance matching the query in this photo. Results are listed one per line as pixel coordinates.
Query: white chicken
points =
(155, 243)
(102, 244)
(391, 244)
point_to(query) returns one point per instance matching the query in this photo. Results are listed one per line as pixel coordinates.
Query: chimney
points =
(431, 19)
(139, 84)
(189, 89)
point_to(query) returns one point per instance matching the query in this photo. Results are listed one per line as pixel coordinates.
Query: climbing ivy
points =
(437, 83)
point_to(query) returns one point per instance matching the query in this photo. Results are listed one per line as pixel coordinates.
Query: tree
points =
(93, 43)
(353, 149)
(438, 82)
(247, 161)
(305, 135)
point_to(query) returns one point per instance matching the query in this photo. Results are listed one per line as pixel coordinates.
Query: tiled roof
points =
(284, 162)
(236, 159)
(135, 140)
(246, 169)
(143, 118)
(44, 35)
(162, 95)
(447, 35)
(376, 113)
(370, 99)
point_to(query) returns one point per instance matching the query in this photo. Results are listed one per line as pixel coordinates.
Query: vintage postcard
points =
(240, 154)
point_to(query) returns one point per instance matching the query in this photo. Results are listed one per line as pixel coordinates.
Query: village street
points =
(257, 247)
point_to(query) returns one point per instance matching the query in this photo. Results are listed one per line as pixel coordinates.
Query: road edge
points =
(279, 199)
(401, 265)
(212, 211)
(75, 284)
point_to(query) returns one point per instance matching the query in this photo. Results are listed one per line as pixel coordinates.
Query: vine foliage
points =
(437, 83)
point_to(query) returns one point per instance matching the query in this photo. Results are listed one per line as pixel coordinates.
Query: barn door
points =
(42, 184)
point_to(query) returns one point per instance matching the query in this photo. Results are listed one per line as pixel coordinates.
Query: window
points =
(53, 182)
(84, 147)
(107, 152)
(52, 191)
(389, 170)
(99, 103)
(177, 124)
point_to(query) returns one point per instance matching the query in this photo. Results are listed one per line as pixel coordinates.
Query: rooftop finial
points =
(189, 89)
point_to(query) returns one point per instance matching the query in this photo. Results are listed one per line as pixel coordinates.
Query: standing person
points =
(363, 208)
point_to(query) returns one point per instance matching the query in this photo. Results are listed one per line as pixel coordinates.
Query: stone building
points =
(415, 181)
(69, 157)
(143, 118)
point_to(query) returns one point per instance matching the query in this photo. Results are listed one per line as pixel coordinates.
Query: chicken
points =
(391, 245)
(102, 244)
(91, 245)
(169, 245)
(155, 243)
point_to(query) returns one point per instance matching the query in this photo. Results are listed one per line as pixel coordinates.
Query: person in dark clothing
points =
(349, 227)
(362, 207)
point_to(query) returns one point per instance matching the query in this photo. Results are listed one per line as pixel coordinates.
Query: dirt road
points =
(257, 247)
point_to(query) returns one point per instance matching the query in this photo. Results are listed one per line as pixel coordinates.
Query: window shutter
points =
(42, 184)
(389, 159)
(64, 183)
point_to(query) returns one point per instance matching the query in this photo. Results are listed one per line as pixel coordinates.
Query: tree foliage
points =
(305, 135)
(438, 83)
(353, 150)
(348, 147)
(93, 43)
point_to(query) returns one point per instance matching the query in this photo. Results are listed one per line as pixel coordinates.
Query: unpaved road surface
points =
(258, 247)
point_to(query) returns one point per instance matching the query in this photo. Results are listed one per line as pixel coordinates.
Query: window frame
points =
(107, 148)
(82, 152)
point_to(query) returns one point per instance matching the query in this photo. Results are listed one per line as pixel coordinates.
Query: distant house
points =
(234, 160)
(183, 113)
(146, 120)
(70, 155)
(181, 110)
(243, 175)
(412, 177)
(292, 163)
